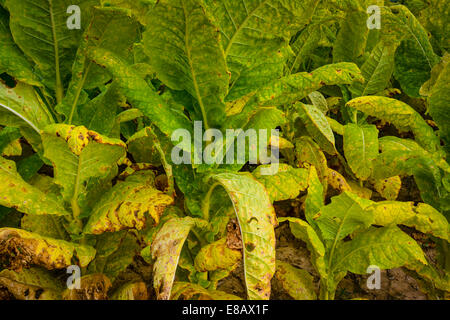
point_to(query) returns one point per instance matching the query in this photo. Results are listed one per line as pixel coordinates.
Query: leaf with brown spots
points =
(257, 219)
(16, 193)
(192, 291)
(22, 249)
(217, 255)
(298, 283)
(166, 249)
(92, 287)
(128, 204)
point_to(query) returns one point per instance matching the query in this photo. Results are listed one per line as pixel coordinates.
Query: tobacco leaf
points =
(192, 291)
(286, 183)
(257, 219)
(92, 287)
(20, 248)
(131, 291)
(298, 283)
(360, 148)
(127, 205)
(217, 255)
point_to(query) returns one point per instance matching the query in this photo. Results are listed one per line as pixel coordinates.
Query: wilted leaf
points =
(20, 248)
(131, 291)
(92, 287)
(192, 291)
(217, 255)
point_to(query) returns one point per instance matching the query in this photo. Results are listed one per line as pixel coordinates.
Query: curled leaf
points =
(216, 256)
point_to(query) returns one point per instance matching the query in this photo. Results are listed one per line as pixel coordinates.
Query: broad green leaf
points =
(317, 126)
(352, 36)
(216, 256)
(43, 35)
(361, 148)
(344, 215)
(12, 60)
(182, 43)
(303, 231)
(377, 70)
(143, 149)
(414, 58)
(303, 46)
(298, 283)
(257, 219)
(128, 205)
(18, 194)
(423, 217)
(253, 30)
(31, 284)
(78, 155)
(297, 86)
(115, 252)
(166, 249)
(189, 291)
(110, 29)
(22, 106)
(42, 251)
(438, 102)
(286, 183)
(140, 94)
(402, 116)
(7, 136)
(315, 198)
(386, 248)
(138, 8)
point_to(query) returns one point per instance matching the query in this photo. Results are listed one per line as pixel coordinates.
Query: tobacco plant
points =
(88, 117)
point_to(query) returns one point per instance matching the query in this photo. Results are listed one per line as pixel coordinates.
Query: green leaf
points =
(303, 46)
(78, 155)
(303, 231)
(285, 184)
(166, 249)
(297, 86)
(131, 291)
(386, 248)
(257, 219)
(352, 36)
(42, 34)
(361, 148)
(377, 70)
(12, 60)
(181, 44)
(16, 193)
(110, 29)
(317, 126)
(253, 30)
(298, 283)
(127, 205)
(308, 152)
(140, 94)
(402, 116)
(42, 251)
(315, 198)
(343, 216)
(8, 135)
(414, 58)
(438, 101)
(115, 252)
(21, 106)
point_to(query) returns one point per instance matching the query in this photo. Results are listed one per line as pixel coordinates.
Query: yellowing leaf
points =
(298, 283)
(20, 248)
(402, 116)
(127, 205)
(360, 148)
(166, 249)
(285, 184)
(388, 188)
(16, 193)
(216, 256)
(257, 219)
(189, 291)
